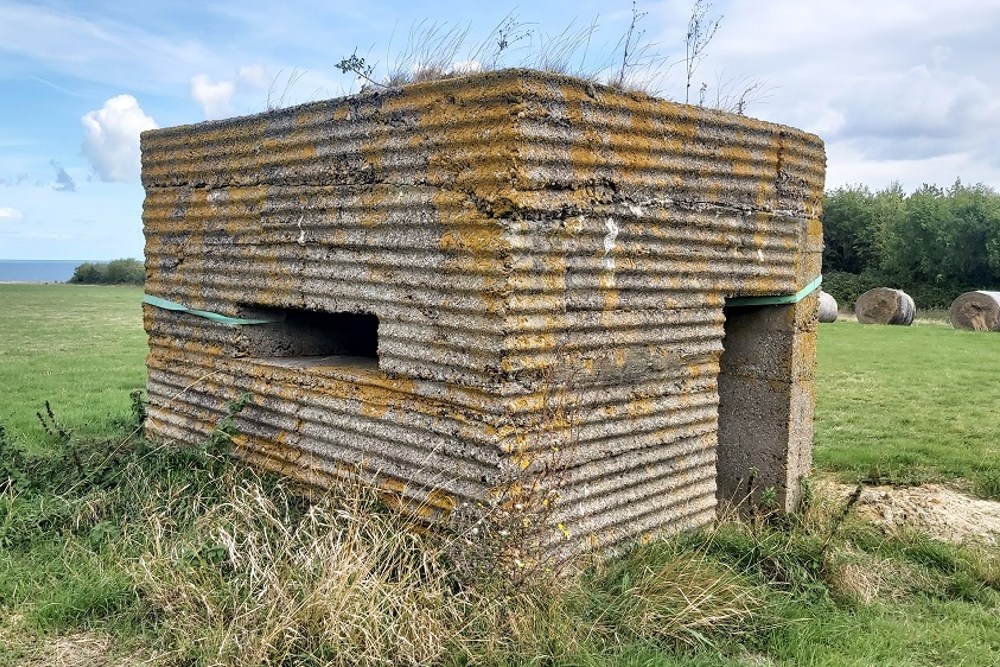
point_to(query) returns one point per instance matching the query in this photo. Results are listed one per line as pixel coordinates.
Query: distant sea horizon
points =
(39, 270)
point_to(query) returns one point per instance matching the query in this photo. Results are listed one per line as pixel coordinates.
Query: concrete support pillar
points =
(766, 401)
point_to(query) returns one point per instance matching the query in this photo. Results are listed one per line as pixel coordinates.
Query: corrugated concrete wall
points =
(548, 262)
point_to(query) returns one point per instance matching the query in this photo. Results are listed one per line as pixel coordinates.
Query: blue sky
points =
(901, 90)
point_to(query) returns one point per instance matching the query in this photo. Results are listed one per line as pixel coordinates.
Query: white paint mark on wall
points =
(609, 243)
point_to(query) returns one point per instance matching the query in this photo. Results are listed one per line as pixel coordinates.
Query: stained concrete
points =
(766, 400)
(545, 264)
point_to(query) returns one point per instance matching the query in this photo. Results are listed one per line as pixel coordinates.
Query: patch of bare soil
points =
(939, 511)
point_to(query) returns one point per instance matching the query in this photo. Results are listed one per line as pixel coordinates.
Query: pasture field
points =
(185, 557)
(80, 347)
(908, 404)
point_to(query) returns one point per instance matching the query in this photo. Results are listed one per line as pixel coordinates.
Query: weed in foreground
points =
(205, 562)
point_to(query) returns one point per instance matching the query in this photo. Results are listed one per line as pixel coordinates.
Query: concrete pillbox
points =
(476, 281)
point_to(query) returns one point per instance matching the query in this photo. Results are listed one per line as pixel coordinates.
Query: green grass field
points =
(82, 348)
(185, 557)
(908, 404)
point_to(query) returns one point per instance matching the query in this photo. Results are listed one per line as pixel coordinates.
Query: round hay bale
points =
(827, 308)
(976, 311)
(884, 305)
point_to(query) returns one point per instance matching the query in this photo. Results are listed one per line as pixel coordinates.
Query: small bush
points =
(116, 272)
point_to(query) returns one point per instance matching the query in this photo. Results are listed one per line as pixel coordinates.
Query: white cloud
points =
(8, 213)
(215, 98)
(253, 77)
(111, 138)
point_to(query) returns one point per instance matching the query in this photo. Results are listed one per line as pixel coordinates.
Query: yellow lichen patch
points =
(680, 129)
(522, 459)
(372, 202)
(813, 233)
(463, 158)
(514, 441)
(196, 150)
(471, 240)
(234, 210)
(434, 505)
(760, 238)
(584, 150)
(299, 147)
(442, 500)
(767, 187)
(640, 407)
(740, 159)
(804, 351)
(646, 135)
(374, 410)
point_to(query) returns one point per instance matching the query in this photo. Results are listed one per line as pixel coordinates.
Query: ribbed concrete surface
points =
(547, 261)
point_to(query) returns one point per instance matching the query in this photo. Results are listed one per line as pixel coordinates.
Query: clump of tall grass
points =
(436, 50)
(346, 581)
(658, 592)
(341, 581)
(212, 563)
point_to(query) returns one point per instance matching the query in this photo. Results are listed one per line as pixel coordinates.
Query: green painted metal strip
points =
(777, 300)
(215, 317)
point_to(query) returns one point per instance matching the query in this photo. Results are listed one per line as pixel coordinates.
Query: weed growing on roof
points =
(432, 52)
(632, 46)
(701, 30)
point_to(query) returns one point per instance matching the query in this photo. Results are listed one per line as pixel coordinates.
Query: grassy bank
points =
(183, 557)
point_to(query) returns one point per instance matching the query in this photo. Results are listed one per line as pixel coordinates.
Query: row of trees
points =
(933, 244)
(115, 272)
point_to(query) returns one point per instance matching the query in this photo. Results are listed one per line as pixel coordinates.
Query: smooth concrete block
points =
(765, 439)
(766, 402)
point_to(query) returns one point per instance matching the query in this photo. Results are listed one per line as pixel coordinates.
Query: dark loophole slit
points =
(304, 338)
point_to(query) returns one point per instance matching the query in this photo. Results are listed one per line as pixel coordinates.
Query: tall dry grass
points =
(265, 578)
(260, 582)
